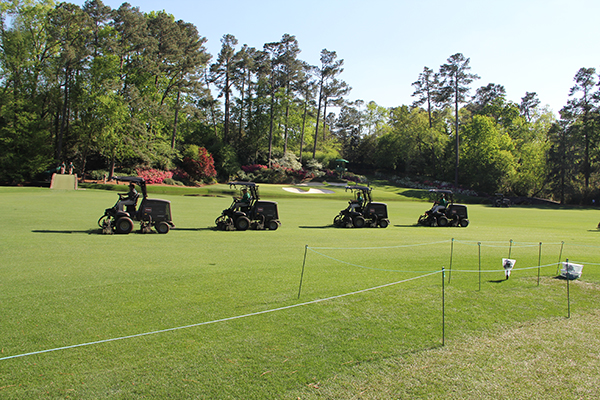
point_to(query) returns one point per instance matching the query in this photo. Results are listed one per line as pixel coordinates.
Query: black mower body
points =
(362, 212)
(254, 214)
(451, 215)
(151, 213)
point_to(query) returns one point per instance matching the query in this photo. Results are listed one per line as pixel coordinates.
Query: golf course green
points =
(209, 314)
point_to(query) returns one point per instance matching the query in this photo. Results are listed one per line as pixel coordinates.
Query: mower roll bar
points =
(134, 179)
(443, 191)
(251, 185)
(365, 189)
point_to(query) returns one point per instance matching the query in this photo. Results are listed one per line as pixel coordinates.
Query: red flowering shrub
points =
(154, 176)
(201, 167)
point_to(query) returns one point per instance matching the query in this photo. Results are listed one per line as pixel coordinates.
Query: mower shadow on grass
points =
(208, 228)
(88, 231)
(317, 227)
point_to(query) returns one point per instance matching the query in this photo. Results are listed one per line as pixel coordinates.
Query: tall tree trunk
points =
(456, 148)
(318, 115)
(285, 132)
(325, 119)
(176, 120)
(61, 131)
(271, 122)
(303, 125)
(227, 106)
(111, 171)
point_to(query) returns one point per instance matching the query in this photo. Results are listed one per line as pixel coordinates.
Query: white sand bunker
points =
(309, 191)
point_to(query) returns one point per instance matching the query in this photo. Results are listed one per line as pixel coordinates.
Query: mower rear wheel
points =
(162, 227)
(358, 221)
(383, 223)
(464, 223)
(242, 223)
(124, 225)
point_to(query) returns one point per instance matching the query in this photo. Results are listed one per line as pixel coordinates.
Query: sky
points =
(524, 45)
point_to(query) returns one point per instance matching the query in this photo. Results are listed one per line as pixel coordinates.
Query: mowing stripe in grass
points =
(219, 320)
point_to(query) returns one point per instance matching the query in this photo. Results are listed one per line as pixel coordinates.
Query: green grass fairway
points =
(200, 313)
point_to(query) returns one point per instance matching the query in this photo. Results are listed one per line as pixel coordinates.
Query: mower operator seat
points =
(131, 208)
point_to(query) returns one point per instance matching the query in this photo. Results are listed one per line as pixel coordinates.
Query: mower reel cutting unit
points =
(152, 213)
(362, 211)
(449, 215)
(248, 212)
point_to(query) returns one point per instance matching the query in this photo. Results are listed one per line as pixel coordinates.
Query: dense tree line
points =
(121, 89)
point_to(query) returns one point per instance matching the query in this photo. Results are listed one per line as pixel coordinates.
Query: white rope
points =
(362, 266)
(502, 270)
(377, 248)
(217, 320)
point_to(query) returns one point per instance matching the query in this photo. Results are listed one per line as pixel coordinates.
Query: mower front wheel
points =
(124, 225)
(339, 220)
(273, 225)
(162, 227)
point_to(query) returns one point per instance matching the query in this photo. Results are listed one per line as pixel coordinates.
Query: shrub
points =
(289, 161)
(199, 168)
(154, 176)
(97, 175)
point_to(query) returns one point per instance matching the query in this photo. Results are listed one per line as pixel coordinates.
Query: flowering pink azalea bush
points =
(154, 176)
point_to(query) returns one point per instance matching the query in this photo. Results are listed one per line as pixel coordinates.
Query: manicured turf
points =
(64, 284)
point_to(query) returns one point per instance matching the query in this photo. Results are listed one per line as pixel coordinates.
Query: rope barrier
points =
(362, 266)
(219, 320)
(379, 248)
(502, 270)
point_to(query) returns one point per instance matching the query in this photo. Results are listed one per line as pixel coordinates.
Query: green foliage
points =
(94, 86)
(487, 161)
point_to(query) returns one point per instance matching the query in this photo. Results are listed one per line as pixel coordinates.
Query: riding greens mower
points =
(444, 211)
(152, 213)
(248, 211)
(362, 211)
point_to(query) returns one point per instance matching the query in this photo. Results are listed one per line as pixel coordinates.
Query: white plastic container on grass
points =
(571, 271)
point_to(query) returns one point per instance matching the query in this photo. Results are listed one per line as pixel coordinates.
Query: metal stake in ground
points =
(568, 293)
(443, 308)
(479, 245)
(451, 253)
(302, 274)
(559, 257)
(539, 263)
